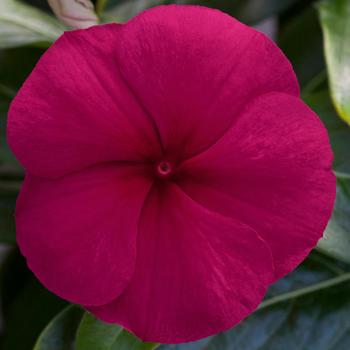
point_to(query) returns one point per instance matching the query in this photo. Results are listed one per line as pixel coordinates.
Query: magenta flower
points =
(173, 172)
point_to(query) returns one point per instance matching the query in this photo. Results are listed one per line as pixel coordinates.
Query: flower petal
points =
(197, 272)
(195, 68)
(78, 233)
(272, 171)
(75, 110)
(76, 14)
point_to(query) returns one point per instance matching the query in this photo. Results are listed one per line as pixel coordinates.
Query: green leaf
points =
(59, 334)
(21, 24)
(253, 11)
(94, 334)
(7, 221)
(314, 296)
(339, 132)
(335, 21)
(127, 341)
(336, 241)
(14, 69)
(306, 55)
(27, 306)
(248, 11)
(10, 170)
(10, 180)
(308, 309)
(197, 345)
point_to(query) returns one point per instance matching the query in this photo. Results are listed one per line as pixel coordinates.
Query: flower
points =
(75, 13)
(173, 172)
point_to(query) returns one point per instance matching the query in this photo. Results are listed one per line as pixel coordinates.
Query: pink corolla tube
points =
(172, 171)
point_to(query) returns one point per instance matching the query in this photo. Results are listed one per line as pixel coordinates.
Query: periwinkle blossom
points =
(172, 171)
(74, 13)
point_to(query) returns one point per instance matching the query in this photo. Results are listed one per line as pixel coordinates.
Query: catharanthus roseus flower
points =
(173, 172)
(75, 13)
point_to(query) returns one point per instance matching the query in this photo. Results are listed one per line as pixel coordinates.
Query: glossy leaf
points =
(21, 24)
(59, 334)
(94, 334)
(335, 20)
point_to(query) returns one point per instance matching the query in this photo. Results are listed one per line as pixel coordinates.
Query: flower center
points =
(164, 169)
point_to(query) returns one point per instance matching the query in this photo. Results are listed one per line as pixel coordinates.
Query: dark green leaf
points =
(306, 55)
(335, 20)
(21, 24)
(94, 334)
(336, 241)
(27, 305)
(253, 11)
(196, 345)
(60, 333)
(8, 164)
(9, 185)
(339, 132)
(7, 222)
(248, 11)
(14, 69)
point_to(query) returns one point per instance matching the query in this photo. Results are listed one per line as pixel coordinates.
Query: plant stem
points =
(341, 175)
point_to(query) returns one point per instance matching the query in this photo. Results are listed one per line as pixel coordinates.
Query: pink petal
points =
(75, 109)
(197, 272)
(272, 171)
(78, 233)
(195, 68)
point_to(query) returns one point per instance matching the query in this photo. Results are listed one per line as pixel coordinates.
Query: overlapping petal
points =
(197, 272)
(272, 171)
(78, 233)
(194, 69)
(75, 109)
(173, 172)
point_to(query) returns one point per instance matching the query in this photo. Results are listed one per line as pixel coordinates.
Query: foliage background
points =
(310, 308)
